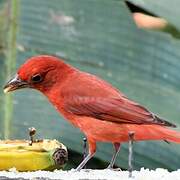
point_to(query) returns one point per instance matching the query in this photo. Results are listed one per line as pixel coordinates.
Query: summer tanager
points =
(97, 108)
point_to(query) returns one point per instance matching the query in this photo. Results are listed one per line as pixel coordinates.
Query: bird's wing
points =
(118, 110)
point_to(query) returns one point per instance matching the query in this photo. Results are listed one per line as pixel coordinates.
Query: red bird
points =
(98, 109)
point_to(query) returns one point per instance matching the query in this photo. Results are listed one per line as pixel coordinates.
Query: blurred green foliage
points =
(99, 37)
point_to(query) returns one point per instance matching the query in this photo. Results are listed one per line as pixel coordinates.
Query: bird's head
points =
(39, 72)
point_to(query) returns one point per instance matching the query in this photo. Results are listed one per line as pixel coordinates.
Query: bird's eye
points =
(36, 78)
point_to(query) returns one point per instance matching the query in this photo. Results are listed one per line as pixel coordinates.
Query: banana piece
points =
(41, 155)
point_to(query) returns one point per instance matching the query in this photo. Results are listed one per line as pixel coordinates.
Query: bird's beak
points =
(14, 84)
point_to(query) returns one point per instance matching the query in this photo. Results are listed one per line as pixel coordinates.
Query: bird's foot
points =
(87, 170)
(113, 169)
(78, 169)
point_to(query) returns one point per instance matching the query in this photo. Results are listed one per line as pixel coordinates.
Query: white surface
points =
(143, 174)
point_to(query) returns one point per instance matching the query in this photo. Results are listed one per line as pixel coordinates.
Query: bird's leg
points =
(116, 148)
(83, 163)
(131, 139)
(92, 150)
(85, 150)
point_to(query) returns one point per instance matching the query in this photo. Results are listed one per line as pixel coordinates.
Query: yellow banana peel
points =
(41, 155)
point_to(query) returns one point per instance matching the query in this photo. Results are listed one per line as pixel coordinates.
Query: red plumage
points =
(101, 111)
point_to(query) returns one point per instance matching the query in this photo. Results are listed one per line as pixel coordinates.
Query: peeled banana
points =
(40, 155)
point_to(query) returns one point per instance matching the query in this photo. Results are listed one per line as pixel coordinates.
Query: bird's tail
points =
(172, 135)
(157, 132)
(168, 134)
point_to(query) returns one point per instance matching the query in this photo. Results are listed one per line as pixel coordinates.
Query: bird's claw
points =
(113, 169)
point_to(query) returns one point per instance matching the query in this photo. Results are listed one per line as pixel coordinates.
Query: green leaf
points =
(99, 37)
